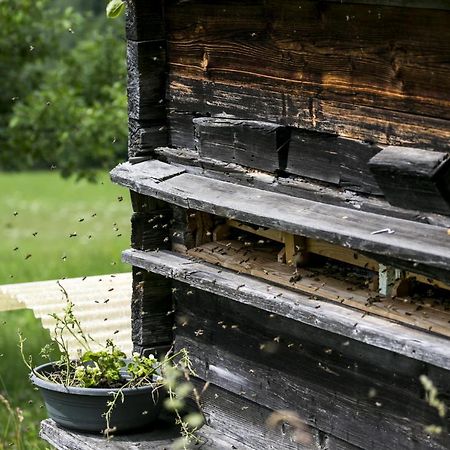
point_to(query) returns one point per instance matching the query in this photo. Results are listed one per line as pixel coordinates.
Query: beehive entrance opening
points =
(321, 270)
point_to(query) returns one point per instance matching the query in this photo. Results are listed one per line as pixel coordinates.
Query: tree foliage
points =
(63, 101)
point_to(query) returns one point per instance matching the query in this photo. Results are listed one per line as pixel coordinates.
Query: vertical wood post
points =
(146, 62)
(151, 304)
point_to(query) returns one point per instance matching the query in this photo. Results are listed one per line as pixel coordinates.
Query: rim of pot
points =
(39, 382)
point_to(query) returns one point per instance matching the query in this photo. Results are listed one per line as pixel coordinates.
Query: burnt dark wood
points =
(150, 231)
(370, 123)
(144, 140)
(151, 310)
(282, 366)
(145, 20)
(333, 159)
(421, 246)
(350, 69)
(414, 178)
(146, 80)
(143, 204)
(259, 145)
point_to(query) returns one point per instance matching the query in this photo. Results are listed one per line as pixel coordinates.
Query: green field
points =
(50, 228)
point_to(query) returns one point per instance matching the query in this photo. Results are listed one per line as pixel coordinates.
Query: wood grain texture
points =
(146, 80)
(161, 437)
(292, 185)
(425, 247)
(316, 313)
(350, 69)
(414, 178)
(150, 231)
(145, 20)
(258, 145)
(332, 159)
(287, 366)
(151, 306)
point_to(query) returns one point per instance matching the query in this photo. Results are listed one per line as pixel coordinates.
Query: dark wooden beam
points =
(424, 247)
(294, 186)
(414, 178)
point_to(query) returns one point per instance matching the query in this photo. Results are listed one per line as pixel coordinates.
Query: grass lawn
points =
(50, 228)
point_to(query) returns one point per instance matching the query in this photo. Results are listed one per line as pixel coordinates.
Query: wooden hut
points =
(289, 175)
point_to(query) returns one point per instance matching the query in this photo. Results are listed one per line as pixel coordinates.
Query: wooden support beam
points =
(307, 309)
(407, 245)
(388, 280)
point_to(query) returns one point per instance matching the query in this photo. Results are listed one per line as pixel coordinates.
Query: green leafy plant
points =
(109, 368)
(115, 8)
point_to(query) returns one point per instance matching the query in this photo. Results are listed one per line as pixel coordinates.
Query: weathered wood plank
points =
(370, 123)
(425, 247)
(328, 52)
(147, 138)
(146, 80)
(246, 421)
(160, 438)
(150, 231)
(151, 306)
(293, 186)
(352, 419)
(255, 144)
(414, 178)
(332, 159)
(286, 366)
(426, 4)
(317, 313)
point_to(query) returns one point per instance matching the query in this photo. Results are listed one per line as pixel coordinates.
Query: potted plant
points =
(103, 390)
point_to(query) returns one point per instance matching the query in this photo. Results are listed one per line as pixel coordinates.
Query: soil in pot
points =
(83, 409)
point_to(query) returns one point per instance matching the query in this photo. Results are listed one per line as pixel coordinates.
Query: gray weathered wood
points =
(345, 417)
(320, 314)
(146, 80)
(414, 178)
(332, 159)
(294, 186)
(423, 246)
(254, 144)
(161, 438)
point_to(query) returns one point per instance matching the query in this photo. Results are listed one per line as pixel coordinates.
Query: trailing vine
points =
(109, 368)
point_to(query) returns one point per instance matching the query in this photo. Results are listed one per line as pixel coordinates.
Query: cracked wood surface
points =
(424, 247)
(294, 305)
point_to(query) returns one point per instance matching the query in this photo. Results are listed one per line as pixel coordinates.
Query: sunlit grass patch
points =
(50, 228)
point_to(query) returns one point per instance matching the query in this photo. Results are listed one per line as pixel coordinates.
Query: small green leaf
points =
(115, 8)
(194, 420)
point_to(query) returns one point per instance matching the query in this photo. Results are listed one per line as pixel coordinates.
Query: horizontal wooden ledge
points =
(419, 245)
(161, 438)
(337, 319)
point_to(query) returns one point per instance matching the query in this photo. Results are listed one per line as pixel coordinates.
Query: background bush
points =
(63, 97)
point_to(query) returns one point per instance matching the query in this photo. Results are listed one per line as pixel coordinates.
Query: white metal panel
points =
(102, 304)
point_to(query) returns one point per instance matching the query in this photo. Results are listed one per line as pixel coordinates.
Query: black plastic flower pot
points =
(83, 409)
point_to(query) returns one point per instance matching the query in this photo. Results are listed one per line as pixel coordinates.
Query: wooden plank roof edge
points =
(414, 242)
(347, 322)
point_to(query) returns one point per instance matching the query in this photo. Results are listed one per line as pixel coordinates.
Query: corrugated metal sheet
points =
(102, 304)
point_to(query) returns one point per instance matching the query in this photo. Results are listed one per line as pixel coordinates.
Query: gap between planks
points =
(235, 256)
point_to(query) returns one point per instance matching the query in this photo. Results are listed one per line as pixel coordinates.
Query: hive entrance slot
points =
(322, 270)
